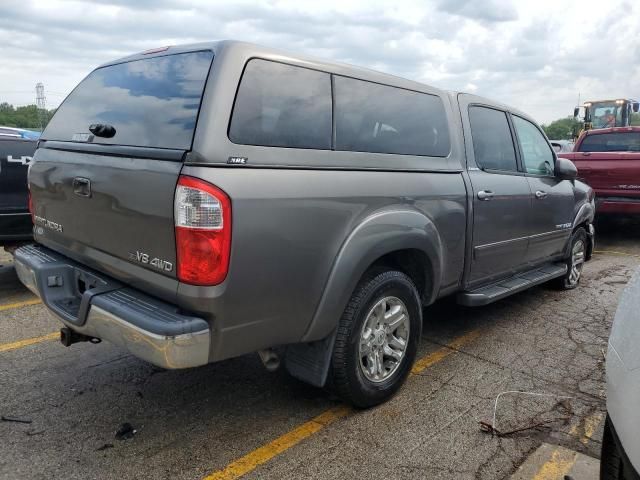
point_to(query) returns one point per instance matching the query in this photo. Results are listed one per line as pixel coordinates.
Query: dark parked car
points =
(201, 202)
(15, 155)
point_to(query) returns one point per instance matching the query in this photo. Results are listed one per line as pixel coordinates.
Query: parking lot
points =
(235, 419)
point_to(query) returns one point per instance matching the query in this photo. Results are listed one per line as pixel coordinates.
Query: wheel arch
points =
(406, 240)
(584, 219)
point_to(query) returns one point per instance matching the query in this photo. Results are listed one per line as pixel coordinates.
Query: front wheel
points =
(575, 261)
(377, 339)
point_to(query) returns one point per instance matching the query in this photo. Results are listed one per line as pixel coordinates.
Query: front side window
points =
(611, 142)
(492, 142)
(383, 119)
(536, 154)
(282, 106)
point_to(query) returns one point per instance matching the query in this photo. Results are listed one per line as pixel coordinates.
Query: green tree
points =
(562, 129)
(24, 117)
(635, 119)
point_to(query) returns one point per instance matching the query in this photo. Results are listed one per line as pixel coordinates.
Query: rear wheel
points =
(575, 261)
(377, 339)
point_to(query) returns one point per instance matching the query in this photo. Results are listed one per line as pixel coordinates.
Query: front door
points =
(501, 196)
(553, 202)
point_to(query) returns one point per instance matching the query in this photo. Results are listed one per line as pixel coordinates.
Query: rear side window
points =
(281, 105)
(383, 119)
(611, 142)
(492, 143)
(152, 102)
(536, 154)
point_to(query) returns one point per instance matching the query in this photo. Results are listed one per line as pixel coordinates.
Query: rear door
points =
(551, 220)
(501, 195)
(104, 194)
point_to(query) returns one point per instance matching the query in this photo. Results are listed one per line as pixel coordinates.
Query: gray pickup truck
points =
(201, 202)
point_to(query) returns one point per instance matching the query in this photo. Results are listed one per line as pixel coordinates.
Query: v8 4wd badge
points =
(146, 259)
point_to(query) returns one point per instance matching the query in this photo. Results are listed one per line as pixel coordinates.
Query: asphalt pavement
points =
(234, 419)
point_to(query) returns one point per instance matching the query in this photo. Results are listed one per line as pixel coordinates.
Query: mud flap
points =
(310, 362)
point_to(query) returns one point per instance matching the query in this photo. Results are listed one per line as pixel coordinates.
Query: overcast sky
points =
(536, 55)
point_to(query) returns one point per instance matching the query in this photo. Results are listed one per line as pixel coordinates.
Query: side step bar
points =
(508, 286)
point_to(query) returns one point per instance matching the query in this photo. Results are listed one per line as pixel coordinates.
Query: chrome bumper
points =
(151, 330)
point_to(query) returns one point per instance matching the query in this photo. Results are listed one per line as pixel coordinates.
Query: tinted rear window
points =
(383, 119)
(611, 142)
(282, 106)
(152, 102)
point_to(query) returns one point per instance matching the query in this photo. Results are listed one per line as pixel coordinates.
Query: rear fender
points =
(379, 234)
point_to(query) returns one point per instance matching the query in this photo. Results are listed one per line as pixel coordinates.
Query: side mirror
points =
(636, 107)
(576, 112)
(565, 169)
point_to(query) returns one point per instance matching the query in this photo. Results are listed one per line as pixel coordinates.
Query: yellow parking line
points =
(440, 354)
(6, 347)
(9, 306)
(562, 459)
(252, 460)
(591, 424)
(263, 454)
(558, 465)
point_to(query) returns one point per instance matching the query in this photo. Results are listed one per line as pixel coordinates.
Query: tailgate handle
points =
(82, 187)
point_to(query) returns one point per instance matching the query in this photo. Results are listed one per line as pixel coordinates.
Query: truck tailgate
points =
(105, 208)
(104, 178)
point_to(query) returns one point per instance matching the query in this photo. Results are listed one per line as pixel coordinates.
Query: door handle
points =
(540, 194)
(485, 195)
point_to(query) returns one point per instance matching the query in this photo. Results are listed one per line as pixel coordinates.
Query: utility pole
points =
(41, 104)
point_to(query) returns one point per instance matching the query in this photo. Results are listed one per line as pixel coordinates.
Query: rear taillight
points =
(202, 214)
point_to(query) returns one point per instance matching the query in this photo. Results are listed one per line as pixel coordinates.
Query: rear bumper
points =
(97, 306)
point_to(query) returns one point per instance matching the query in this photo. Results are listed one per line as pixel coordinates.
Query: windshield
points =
(606, 114)
(611, 142)
(152, 102)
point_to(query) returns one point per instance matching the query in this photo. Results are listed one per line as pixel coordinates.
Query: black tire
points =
(612, 464)
(566, 282)
(347, 378)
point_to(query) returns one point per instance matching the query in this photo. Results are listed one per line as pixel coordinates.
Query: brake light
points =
(202, 214)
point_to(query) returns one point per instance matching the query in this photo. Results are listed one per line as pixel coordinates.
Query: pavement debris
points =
(15, 419)
(125, 431)
(488, 428)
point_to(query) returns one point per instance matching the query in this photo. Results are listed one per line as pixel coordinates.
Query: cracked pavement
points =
(191, 423)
